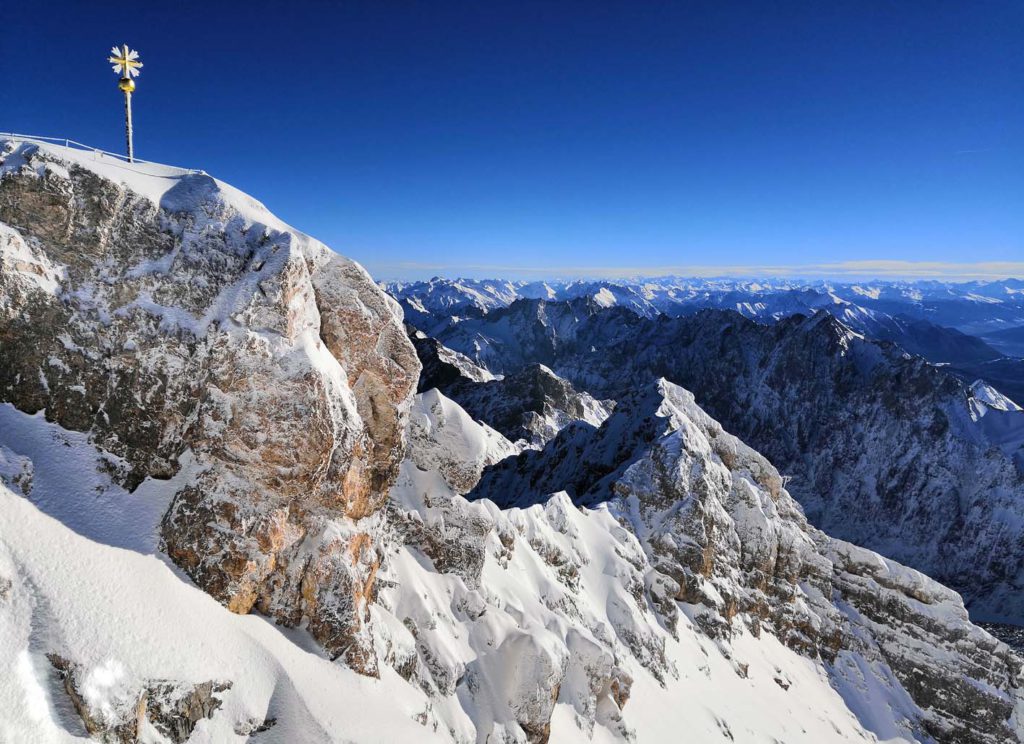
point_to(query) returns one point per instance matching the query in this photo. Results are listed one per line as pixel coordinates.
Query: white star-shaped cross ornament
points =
(126, 61)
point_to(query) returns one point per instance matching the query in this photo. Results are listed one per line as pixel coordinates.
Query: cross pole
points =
(126, 64)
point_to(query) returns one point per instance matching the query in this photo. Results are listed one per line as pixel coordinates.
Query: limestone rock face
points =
(716, 519)
(912, 623)
(185, 328)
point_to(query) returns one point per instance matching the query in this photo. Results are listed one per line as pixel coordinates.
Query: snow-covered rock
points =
(882, 448)
(444, 438)
(443, 366)
(991, 398)
(698, 582)
(693, 556)
(939, 321)
(529, 406)
(174, 319)
(727, 552)
(16, 471)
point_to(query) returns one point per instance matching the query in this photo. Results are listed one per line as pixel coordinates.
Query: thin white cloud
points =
(859, 270)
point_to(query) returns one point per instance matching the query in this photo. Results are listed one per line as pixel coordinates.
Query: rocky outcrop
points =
(580, 459)
(971, 696)
(172, 709)
(16, 471)
(868, 606)
(530, 405)
(447, 447)
(442, 367)
(443, 438)
(183, 326)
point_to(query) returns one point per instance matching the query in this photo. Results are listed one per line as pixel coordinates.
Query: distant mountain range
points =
(972, 307)
(976, 328)
(914, 459)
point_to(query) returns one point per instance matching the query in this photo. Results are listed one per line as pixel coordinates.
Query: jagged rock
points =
(532, 405)
(172, 708)
(881, 448)
(168, 313)
(16, 471)
(174, 711)
(913, 621)
(253, 727)
(443, 367)
(443, 438)
(461, 539)
(727, 546)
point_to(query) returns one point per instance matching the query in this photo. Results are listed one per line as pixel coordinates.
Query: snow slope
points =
(577, 596)
(71, 480)
(127, 619)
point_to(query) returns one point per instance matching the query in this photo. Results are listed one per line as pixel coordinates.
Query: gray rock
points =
(200, 324)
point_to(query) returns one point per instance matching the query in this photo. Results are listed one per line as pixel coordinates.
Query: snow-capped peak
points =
(982, 391)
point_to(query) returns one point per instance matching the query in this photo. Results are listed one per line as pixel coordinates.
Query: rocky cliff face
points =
(184, 327)
(529, 406)
(716, 521)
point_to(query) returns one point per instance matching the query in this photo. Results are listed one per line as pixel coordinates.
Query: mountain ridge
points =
(834, 409)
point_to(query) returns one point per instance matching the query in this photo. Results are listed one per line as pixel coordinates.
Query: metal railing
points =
(97, 152)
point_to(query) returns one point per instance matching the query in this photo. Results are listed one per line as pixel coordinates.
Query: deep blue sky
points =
(561, 136)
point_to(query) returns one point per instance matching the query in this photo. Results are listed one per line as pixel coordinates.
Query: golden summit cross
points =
(126, 64)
